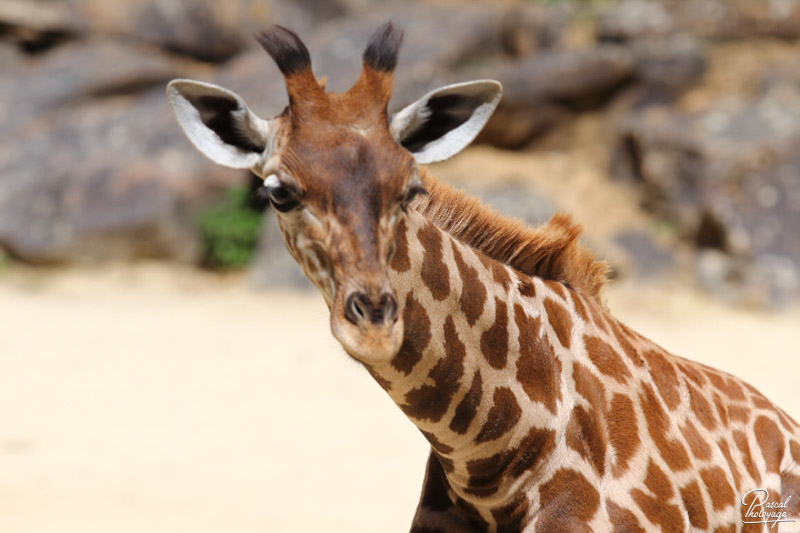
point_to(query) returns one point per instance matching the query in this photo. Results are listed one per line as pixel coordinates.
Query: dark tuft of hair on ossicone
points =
(286, 48)
(383, 47)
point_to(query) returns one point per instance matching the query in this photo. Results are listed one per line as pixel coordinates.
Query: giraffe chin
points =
(369, 343)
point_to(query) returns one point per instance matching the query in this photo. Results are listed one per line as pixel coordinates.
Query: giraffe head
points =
(339, 171)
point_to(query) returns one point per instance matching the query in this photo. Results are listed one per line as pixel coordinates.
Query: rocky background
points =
(690, 107)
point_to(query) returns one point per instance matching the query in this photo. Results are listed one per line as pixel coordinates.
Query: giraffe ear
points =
(446, 120)
(219, 123)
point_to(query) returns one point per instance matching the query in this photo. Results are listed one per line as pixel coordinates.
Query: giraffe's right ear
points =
(445, 121)
(219, 123)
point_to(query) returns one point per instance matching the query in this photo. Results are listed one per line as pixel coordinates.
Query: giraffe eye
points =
(412, 193)
(282, 198)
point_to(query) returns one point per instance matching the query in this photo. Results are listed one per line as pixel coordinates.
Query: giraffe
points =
(543, 412)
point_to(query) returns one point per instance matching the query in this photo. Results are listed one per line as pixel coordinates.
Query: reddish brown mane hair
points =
(550, 251)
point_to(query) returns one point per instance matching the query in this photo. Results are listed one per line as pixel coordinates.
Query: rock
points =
(76, 72)
(737, 19)
(666, 67)
(203, 29)
(103, 180)
(728, 179)
(634, 19)
(36, 26)
(668, 60)
(650, 258)
(530, 28)
(543, 89)
(524, 202)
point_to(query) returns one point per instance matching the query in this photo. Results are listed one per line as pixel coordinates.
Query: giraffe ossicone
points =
(543, 412)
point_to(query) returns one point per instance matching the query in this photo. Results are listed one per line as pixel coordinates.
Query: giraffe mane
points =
(550, 251)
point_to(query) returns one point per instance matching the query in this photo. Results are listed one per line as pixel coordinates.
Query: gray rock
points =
(102, 180)
(541, 90)
(667, 66)
(79, 72)
(634, 19)
(650, 258)
(728, 179)
(516, 200)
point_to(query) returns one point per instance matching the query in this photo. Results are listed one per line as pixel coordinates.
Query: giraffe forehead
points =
(348, 169)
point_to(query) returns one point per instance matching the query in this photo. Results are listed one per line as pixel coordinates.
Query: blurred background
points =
(163, 365)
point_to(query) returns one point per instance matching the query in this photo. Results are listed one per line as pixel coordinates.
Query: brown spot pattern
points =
(568, 502)
(434, 271)
(719, 490)
(589, 386)
(503, 415)
(623, 520)
(625, 344)
(580, 308)
(693, 503)
(701, 408)
(786, 421)
(438, 446)
(500, 275)
(560, 320)
(728, 387)
(417, 336)
(734, 470)
(597, 317)
(585, 436)
(509, 517)
(790, 485)
(473, 293)
(527, 288)
(762, 403)
(468, 406)
(658, 482)
(494, 341)
(665, 515)
(537, 445)
(623, 433)
(770, 440)
(487, 473)
(431, 401)
(665, 377)
(606, 359)
(538, 370)
(557, 288)
(657, 423)
(722, 410)
(401, 262)
(743, 444)
(700, 448)
(794, 449)
(692, 373)
(739, 413)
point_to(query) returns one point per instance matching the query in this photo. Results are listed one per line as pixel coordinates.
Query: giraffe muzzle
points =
(368, 325)
(360, 308)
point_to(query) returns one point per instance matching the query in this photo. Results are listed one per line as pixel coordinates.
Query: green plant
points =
(230, 231)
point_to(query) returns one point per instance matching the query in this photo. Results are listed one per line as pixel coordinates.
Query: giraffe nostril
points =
(359, 308)
(389, 307)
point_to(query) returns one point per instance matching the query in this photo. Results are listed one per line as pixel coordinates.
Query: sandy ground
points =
(157, 399)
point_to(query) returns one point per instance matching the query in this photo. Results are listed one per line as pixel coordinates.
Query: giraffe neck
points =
(478, 352)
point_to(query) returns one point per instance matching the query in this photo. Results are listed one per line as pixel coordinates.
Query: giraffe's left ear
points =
(219, 123)
(445, 121)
